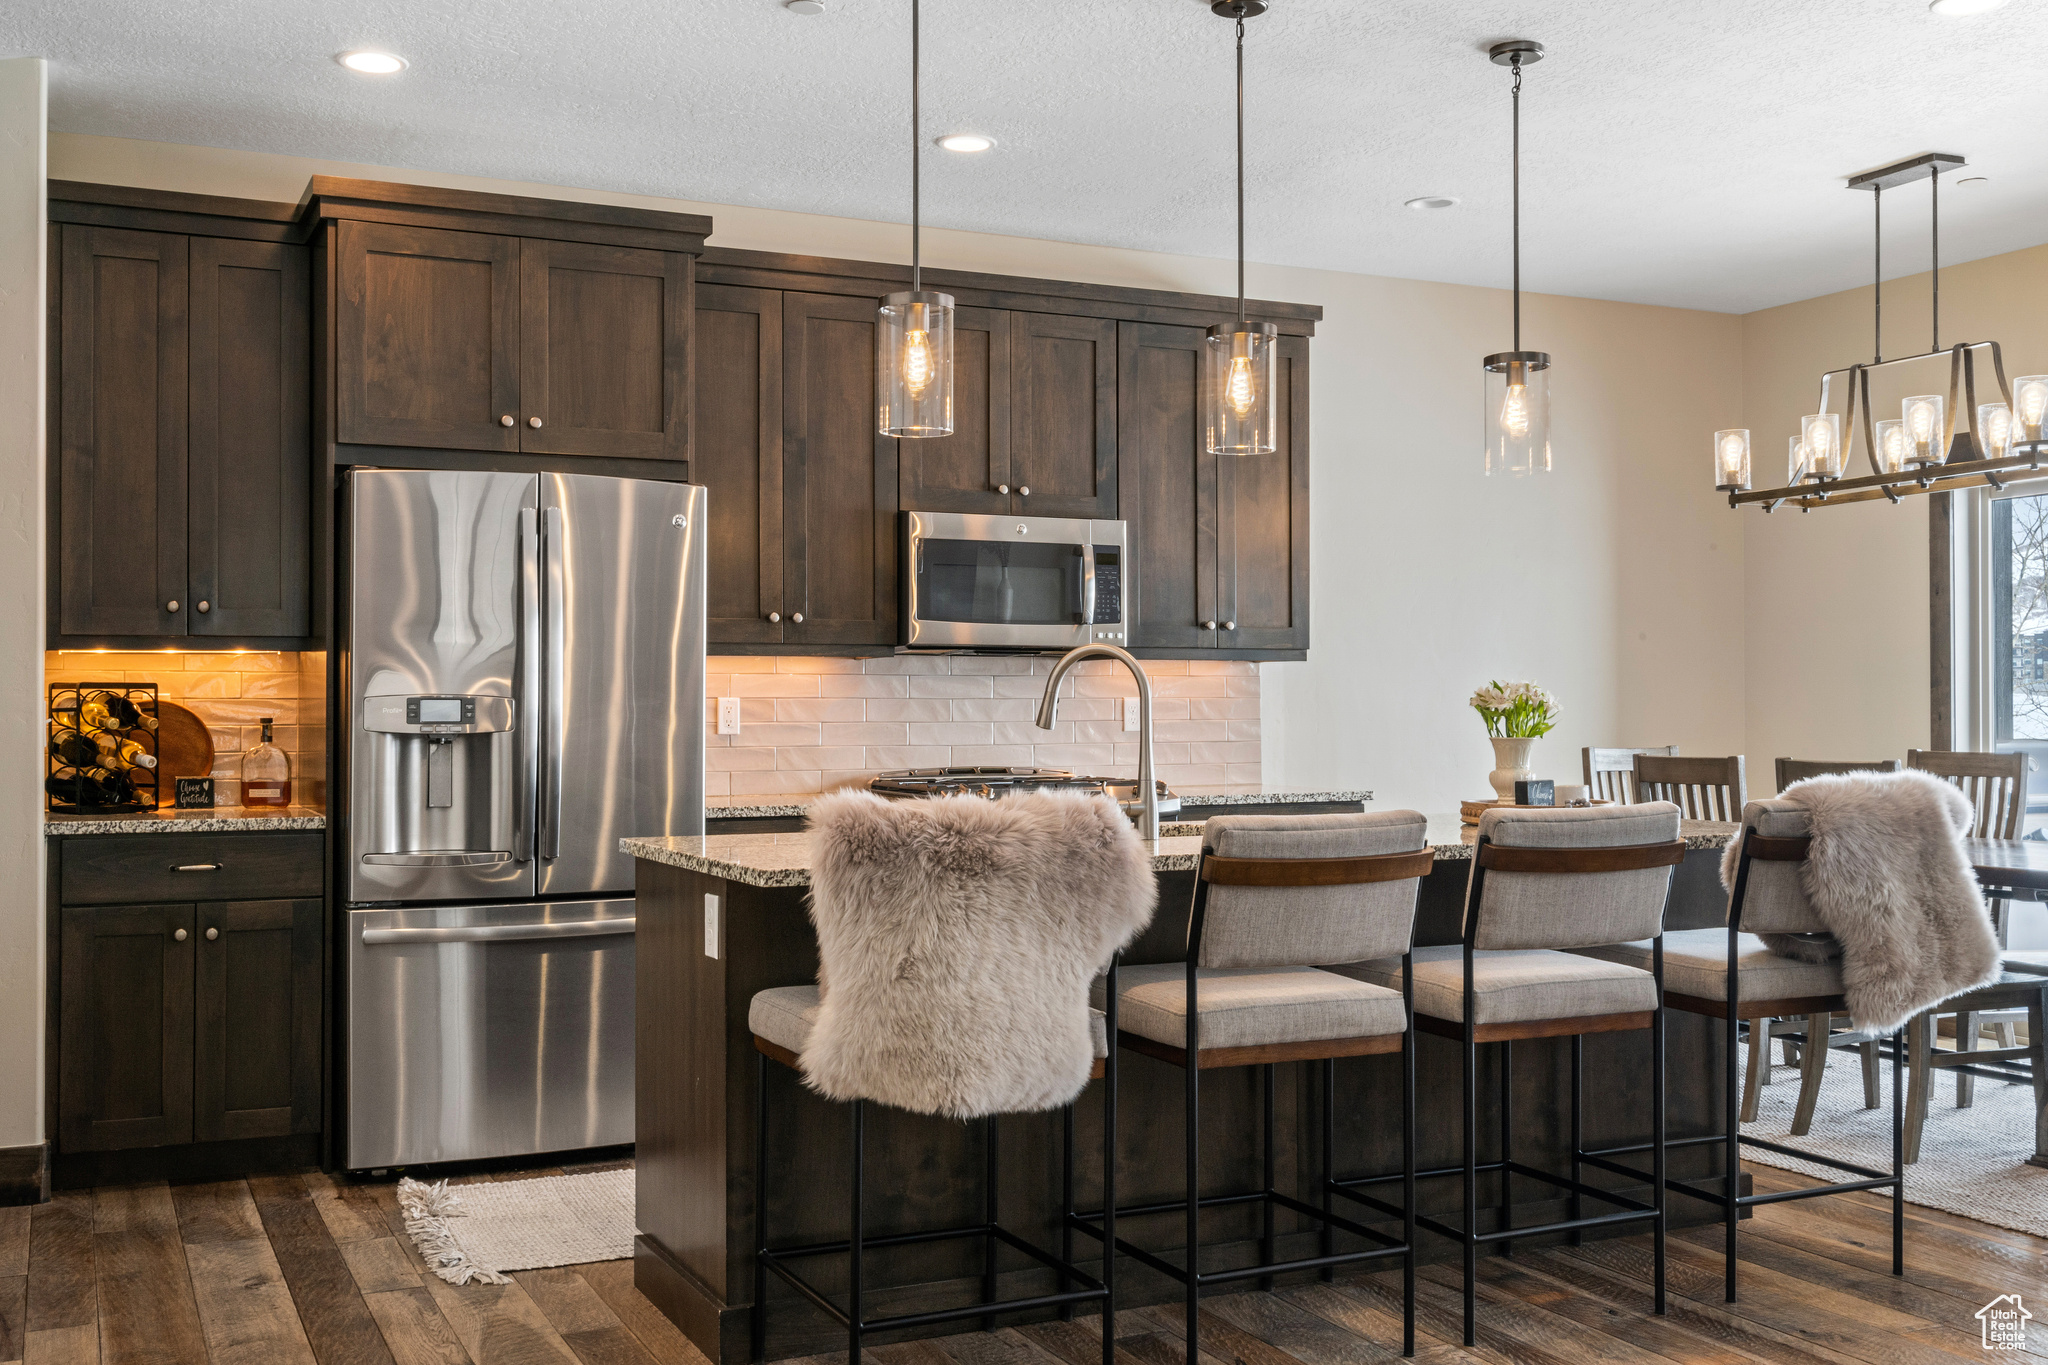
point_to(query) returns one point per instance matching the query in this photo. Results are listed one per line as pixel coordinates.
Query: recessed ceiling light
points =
(804, 6)
(1974, 180)
(1957, 9)
(1431, 201)
(966, 142)
(372, 63)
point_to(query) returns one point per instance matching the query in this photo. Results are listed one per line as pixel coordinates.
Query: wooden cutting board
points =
(184, 748)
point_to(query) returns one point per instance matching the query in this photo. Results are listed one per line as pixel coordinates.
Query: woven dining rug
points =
(1972, 1161)
(476, 1233)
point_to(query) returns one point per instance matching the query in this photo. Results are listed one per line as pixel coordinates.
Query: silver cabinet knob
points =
(179, 935)
(774, 617)
(1208, 625)
(533, 421)
(212, 934)
(1230, 625)
(205, 607)
(506, 420)
(796, 617)
(1024, 490)
(1002, 488)
(171, 605)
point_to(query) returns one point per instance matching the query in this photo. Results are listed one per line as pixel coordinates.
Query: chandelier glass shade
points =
(1237, 360)
(1731, 460)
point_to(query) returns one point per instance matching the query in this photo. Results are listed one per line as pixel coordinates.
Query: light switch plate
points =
(710, 925)
(728, 715)
(1131, 712)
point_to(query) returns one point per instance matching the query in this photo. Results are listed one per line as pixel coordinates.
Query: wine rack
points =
(68, 788)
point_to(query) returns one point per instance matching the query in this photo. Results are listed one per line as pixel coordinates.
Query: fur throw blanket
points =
(957, 940)
(1888, 876)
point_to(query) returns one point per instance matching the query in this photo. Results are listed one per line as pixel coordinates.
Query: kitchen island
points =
(723, 916)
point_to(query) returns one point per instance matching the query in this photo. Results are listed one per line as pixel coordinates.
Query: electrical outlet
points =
(728, 715)
(1131, 712)
(710, 925)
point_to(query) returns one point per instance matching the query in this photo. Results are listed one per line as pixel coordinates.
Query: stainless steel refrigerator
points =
(524, 675)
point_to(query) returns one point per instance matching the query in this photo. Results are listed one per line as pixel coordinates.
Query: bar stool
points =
(1275, 895)
(911, 901)
(1706, 968)
(1544, 880)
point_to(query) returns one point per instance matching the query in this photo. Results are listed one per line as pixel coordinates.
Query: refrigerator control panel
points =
(437, 715)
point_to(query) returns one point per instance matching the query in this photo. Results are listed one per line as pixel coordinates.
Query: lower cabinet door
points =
(125, 1027)
(256, 1020)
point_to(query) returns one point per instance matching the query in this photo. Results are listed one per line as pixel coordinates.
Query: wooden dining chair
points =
(1701, 788)
(1792, 770)
(1610, 773)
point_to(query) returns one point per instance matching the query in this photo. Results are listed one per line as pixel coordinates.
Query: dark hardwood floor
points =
(298, 1270)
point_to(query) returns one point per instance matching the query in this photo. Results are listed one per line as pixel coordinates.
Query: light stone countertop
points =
(785, 859)
(167, 820)
(713, 810)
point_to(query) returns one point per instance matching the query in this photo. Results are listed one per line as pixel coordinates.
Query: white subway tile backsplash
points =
(775, 685)
(820, 708)
(952, 732)
(777, 735)
(946, 685)
(910, 708)
(857, 685)
(868, 732)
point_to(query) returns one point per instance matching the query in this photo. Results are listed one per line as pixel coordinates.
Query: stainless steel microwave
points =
(1017, 583)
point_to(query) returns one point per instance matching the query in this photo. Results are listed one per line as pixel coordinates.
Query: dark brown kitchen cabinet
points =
(188, 1023)
(969, 471)
(183, 491)
(839, 478)
(737, 456)
(1221, 542)
(479, 341)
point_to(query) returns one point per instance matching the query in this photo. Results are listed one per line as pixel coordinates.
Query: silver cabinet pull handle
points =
(212, 934)
(179, 935)
(197, 867)
(205, 607)
(796, 617)
(487, 933)
(533, 421)
(774, 618)
(505, 420)
(171, 605)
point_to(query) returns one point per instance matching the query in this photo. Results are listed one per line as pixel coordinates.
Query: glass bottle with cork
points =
(266, 773)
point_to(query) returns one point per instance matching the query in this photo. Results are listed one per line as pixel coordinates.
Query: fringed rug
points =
(1972, 1161)
(478, 1232)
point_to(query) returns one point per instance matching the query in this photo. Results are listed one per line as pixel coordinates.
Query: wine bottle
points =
(266, 773)
(92, 787)
(123, 711)
(72, 748)
(116, 752)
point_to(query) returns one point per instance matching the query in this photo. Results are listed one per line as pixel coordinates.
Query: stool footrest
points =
(1089, 1222)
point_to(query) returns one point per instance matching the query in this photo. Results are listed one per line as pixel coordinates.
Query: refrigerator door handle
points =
(525, 806)
(500, 933)
(555, 615)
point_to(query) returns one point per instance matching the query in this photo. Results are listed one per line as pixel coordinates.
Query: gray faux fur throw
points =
(1888, 876)
(957, 939)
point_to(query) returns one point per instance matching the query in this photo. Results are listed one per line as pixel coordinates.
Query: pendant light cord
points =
(1515, 139)
(916, 162)
(1937, 258)
(1240, 172)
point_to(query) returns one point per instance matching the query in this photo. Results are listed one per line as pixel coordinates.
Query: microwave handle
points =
(1087, 585)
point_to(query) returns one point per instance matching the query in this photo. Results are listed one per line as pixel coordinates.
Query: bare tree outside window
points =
(2026, 588)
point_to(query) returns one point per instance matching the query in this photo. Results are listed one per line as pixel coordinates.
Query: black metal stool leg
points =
(1066, 1206)
(1408, 1160)
(757, 1333)
(1657, 1192)
(853, 1299)
(1578, 1208)
(1731, 1150)
(1898, 1154)
(1328, 1243)
(1266, 1146)
(988, 1260)
(1506, 1219)
(1108, 1276)
(1194, 1192)
(1471, 1088)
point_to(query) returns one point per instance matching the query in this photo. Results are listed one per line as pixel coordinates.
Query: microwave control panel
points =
(1109, 585)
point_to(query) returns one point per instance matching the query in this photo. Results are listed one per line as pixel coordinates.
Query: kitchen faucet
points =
(1148, 788)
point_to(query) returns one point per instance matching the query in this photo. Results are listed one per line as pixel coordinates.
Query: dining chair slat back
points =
(1701, 788)
(1996, 785)
(1792, 770)
(1610, 773)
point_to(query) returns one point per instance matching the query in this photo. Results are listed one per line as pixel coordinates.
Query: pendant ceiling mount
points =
(1238, 9)
(1515, 384)
(1515, 52)
(1237, 364)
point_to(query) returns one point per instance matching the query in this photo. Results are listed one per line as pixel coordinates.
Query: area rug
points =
(1972, 1161)
(475, 1233)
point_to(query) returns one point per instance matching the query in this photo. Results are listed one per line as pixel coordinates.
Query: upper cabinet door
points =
(603, 336)
(1168, 486)
(969, 471)
(426, 338)
(737, 455)
(839, 479)
(121, 433)
(1063, 416)
(1263, 532)
(250, 461)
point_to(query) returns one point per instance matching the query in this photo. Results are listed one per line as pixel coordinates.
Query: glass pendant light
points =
(1731, 460)
(1923, 418)
(1994, 431)
(2030, 408)
(1892, 446)
(1237, 366)
(1516, 396)
(914, 330)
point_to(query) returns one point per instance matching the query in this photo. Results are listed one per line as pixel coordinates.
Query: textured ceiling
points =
(1689, 154)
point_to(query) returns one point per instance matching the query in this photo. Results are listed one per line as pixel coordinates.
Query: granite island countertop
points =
(731, 808)
(785, 859)
(168, 820)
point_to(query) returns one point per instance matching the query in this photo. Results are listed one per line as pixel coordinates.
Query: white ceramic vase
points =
(1511, 765)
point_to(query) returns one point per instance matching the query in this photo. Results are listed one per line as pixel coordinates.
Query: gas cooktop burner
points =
(992, 783)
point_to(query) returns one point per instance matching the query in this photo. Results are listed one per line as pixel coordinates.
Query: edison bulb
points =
(1891, 447)
(1514, 413)
(1994, 430)
(2033, 404)
(917, 362)
(1731, 454)
(1240, 391)
(1922, 419)
(1820, 447)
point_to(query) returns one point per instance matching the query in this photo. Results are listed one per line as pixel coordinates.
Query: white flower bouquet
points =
(1518, 710)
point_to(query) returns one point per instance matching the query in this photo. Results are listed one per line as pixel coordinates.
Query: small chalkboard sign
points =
(195, 793)
(1536, 791)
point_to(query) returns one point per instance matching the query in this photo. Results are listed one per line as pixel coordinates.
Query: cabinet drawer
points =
(113, 869)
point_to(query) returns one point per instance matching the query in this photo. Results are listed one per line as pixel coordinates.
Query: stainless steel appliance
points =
(994, 783)
(524, 674)
(1013, 583)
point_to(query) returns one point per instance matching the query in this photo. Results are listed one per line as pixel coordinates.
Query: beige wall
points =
(1838, 637)
(23, 100)
(1613, 582)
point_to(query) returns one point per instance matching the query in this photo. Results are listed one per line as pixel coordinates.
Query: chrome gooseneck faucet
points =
(1148, 787)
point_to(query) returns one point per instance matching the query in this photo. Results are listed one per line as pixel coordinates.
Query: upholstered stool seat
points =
(1254, 1006)
(786, 1015)
(1696, 964)
(1515, 985)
